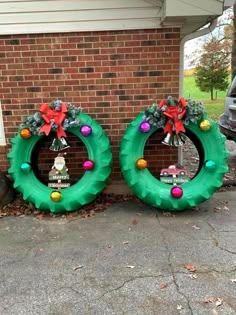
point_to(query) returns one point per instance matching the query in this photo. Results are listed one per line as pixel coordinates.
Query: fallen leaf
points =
(78, 267)
(233, 280)
(223, 202)
(168, 214)
(192, 276)
(39, 216)
(134, 222)
(196, 227)
(163, 285)
(130, 266)
(190, 267)
(180, 307)
(210, 299)
(219, 301)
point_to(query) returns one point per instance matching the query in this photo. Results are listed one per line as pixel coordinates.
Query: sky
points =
(193, 45)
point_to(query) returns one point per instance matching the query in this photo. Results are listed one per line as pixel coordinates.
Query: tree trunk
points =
(233, 57)
(212, 94)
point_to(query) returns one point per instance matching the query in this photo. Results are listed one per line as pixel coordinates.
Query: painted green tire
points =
(75, 196)
(156, 193)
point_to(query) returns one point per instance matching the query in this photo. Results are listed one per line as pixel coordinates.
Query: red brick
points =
(114, 57)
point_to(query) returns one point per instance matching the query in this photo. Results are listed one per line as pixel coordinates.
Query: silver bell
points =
(59, 144)
(167, 140)
(182, 137)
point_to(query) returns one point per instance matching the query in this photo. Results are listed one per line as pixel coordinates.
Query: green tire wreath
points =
(158, 194)
(82, 192)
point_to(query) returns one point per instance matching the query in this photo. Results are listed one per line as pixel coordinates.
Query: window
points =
(2, 134)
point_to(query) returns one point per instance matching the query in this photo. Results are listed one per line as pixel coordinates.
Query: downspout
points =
(193, 35)
(186, 38)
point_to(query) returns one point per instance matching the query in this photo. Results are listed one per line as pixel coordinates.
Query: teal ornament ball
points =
(211, 165)
(25, 168)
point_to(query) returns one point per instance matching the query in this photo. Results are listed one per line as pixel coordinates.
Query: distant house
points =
(112, 58)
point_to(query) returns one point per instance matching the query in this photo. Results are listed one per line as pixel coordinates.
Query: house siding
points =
(47, 16)
(192, 8)
(112, 75)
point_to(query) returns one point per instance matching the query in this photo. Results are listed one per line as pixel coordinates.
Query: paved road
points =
(130, 259)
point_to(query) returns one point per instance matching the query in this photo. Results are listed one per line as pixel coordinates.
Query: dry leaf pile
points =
(19, 207)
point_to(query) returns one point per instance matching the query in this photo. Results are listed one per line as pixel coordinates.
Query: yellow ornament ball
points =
(205, 125)
(141, 164)
(55, 196)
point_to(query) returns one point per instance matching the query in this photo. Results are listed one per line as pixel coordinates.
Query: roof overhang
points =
(189, 16)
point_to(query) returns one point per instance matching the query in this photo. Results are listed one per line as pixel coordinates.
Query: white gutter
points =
(193, 35)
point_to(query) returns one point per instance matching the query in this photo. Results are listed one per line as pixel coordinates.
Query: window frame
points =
(2, 132)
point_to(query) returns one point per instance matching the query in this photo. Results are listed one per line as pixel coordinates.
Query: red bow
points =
(175, 115)
(51, 116)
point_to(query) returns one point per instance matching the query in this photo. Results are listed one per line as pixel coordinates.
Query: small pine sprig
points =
(72, 119)
(33, 123)
(171, 101)
(154, 116)
(194, 112)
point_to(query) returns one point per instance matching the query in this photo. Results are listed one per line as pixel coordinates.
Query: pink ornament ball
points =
(88, 165)
(86, 130)
(145, 126)
(176, 192)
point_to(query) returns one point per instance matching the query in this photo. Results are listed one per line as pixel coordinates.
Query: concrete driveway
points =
(130, 259)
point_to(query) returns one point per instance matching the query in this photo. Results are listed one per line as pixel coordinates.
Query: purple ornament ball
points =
(86, 130)
(145, 126)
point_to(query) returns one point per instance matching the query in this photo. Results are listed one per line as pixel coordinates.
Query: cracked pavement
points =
(130, 259)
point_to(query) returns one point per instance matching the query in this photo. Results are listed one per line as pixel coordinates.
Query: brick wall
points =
(111, 75)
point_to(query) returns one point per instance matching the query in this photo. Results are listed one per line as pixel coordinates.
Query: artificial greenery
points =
(155, 116)
(194, 112)
(35, 122)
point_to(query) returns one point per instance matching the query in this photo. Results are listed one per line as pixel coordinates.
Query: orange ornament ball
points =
(25, 133)
(141, 164)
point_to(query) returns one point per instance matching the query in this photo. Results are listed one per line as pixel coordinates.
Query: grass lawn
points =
(214, 108)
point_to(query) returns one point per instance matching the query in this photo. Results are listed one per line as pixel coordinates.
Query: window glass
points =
(232, 89)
